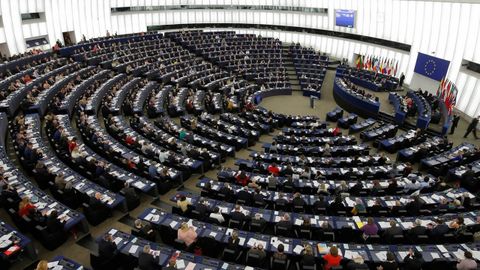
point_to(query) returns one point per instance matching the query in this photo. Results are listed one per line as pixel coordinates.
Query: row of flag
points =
(447, 91)
(378, 64)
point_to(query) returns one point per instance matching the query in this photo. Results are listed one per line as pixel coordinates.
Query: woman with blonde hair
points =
(42, 265)
(187, 234)
(308, 258)
(25, 206)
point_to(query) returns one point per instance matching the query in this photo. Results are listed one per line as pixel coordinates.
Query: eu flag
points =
(431, 67)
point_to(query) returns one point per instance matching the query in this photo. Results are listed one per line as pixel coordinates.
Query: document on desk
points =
(459, 254)
(442, 249)
(298, 249)
(173, 224)
(117, 240)
(180, 264)
(190, 266)
(384, 224)
(133, 249)
(382, 255)
(435, 255)
(351, 254)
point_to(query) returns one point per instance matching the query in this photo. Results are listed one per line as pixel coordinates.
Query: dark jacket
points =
(147, 261)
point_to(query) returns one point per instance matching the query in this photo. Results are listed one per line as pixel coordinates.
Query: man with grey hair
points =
(416, 230)
(146, 259)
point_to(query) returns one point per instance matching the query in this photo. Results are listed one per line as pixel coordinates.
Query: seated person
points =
(234, 241)
(144, 229)
(416, 230)
(298, 200)
(394, 230)
(332, 258)
(308, 258)
(107, 249)
(281, 200)
(237, 214)
(358, 263)
(258, 197)
(258, 250)
(242, 179)
(217, 214)
(25, 207)
(187, 234)
(227, 191)
(183, 203)
(146, 260)
(467, 263)
(280, 253)
(413, 260)
(201, 207)
(259, 221)
(389, 264)
(336, 206)
(285, 222)
(245, 195)
(53, 223)
(458, 225)
(359, 207)
(438, 229)
(370, 228)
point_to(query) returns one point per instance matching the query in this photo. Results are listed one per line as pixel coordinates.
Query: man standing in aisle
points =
(455, 120)
(402, 78)
(472, 127)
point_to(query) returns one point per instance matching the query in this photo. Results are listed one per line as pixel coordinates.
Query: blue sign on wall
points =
(431, 67)
(345, 18)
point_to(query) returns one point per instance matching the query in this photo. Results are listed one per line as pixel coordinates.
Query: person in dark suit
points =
(308, 259)
(389, 264)
(416, 230)
(413, 260)
(259, 221)
(227, 191)
(281, 201)
(258, 198)
(402, 78)
(389, 233)
(337, 205)
(234, 242)
(355, 190)
(468, 177)
(53, 224)
(237, 214)
(144, 229)
(202, 208)
(472, 127)
(245, 195)
(285, 222)
(129, 193)
(439, 229)
(146, 261)
(320, 204)
(298, 200)
(414, 206)
(107, 249)
(455, 120)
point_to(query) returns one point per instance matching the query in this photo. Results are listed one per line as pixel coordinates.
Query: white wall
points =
(448, 30)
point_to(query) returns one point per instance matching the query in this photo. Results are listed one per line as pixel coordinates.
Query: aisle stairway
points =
(292, 74)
